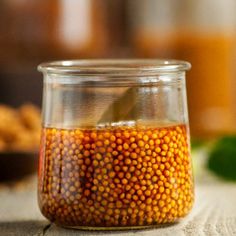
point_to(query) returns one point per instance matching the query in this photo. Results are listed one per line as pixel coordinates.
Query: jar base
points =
(119, 228)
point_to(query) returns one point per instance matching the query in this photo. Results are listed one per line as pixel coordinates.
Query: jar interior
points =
(73, 106)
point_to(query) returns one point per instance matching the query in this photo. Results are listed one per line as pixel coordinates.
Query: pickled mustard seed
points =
(115, 176)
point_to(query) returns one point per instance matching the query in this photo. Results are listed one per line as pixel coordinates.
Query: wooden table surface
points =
(214, 213)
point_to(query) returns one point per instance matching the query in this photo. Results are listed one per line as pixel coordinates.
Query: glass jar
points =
(115, 149)
(205, 30)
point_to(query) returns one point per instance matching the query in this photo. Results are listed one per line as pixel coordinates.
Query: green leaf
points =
(222, 158)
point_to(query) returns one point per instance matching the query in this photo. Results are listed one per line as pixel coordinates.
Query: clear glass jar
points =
(115, 149)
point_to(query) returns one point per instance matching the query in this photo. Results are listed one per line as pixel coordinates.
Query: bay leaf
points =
(120, 109)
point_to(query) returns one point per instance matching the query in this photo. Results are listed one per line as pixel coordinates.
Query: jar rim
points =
(114, 67)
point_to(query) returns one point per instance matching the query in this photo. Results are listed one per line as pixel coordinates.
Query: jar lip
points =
(115, 67)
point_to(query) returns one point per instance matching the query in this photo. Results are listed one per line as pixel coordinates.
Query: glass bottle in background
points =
(82, 27)
(202, 32)
(153, 27)
(118, 29)
(27, 31)
(34, 30)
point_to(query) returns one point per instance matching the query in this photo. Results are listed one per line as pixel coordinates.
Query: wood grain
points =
(214, 213)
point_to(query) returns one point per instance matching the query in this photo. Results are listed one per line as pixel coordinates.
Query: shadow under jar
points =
(115, 150)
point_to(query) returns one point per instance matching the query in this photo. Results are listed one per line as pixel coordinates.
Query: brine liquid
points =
(115, 177)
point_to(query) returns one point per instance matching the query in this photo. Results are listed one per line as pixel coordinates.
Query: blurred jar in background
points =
(202, 32)
(34, 28)
(118, 29)
(81, 27)
(26, 30)
(32, 31)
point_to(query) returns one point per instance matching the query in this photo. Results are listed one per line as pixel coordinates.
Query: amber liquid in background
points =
(115, 177)
(210, 83)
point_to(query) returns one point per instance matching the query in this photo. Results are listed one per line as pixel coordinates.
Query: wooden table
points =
(214, 213)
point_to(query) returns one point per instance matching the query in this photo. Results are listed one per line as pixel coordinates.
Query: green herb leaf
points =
(222, 158)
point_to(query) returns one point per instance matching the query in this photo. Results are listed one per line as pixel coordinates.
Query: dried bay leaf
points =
(120, 109)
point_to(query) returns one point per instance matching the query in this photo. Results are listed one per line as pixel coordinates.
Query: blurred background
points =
(202, 32)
